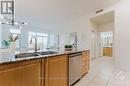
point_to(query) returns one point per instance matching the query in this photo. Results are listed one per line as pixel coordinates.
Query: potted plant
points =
(11, 42)
(68, 47)
(10, 45)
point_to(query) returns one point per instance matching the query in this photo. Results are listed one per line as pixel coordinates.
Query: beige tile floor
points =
(103, 73)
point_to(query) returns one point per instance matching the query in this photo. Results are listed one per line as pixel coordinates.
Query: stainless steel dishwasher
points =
(75, 68)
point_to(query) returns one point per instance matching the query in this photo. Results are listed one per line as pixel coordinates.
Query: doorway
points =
(104, 25)
(106, 42)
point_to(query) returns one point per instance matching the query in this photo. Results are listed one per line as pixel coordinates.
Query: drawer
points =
(85, 60)
(83, 64)
(84, 69)
(86, 56)
(85, 52)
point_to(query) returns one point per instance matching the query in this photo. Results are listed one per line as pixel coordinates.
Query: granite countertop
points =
(37, 57)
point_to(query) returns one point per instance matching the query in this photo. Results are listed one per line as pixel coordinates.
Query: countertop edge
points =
(39, 57)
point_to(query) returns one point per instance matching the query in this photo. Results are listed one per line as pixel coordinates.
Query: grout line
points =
(93, 78)
(109, 80)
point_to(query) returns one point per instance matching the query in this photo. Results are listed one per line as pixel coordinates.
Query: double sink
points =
(24, 55)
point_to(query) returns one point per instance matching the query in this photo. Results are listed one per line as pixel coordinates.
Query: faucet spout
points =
(35, 45)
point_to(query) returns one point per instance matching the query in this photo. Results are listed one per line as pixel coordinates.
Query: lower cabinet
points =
(51, 71)
(107, 51)
(20, 74)
(31, 75)
(43, 72)
(85, 61)
(56, 71)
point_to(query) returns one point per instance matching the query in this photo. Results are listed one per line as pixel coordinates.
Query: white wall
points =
(122, 32)
(83, 27)
(106, 27)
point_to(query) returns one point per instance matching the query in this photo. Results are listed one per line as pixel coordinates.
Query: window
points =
(41, 40)
(0, 37)
(14, 32)
(107, 39)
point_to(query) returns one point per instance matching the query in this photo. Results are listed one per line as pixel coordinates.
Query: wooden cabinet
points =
(43, 72)
(56, 69)
(20, 74)
(51, 71)
(107, 51)
(85, 60)
(31, 75)
(11, 77)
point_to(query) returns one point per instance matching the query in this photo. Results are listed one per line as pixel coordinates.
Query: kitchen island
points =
(42, 70)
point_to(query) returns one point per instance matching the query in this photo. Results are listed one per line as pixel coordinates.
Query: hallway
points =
(103, 73)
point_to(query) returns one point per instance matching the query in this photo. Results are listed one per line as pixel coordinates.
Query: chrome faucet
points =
(35, 46)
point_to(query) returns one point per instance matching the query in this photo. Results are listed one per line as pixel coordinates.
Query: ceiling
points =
(105, 18)
(50, 13)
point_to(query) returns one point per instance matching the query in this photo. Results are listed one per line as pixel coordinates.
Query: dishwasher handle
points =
(74, 55)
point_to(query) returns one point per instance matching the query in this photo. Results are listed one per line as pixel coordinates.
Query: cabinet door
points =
(31, 75)
(43, 73)
(84, 69)
(57, 71)
(107, 51)
(11, 77)
(85, 60)
(20, 74)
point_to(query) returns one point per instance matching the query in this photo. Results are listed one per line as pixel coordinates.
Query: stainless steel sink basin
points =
(46, 52)
(24, 55)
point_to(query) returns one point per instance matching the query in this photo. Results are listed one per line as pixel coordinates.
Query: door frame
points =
(100, 42)
(94, 45)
